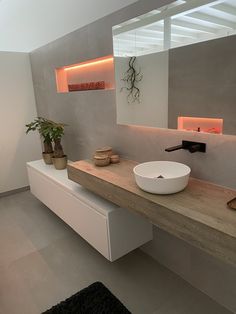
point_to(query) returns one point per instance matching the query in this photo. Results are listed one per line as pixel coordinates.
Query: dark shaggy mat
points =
(95, 299)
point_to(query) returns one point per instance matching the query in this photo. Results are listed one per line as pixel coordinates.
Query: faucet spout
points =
(171, 149)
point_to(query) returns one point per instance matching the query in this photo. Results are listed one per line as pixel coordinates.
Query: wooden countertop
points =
(198, 215)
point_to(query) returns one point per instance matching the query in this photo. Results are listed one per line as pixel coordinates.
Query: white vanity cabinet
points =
(111, 230)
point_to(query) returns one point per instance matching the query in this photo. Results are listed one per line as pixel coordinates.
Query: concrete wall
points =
(17, 107)
(91, 117)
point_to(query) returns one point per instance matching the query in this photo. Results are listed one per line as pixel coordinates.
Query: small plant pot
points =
(60, 163)
(47, 157)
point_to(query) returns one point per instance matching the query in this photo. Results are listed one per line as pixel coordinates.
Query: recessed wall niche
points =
(95, 74)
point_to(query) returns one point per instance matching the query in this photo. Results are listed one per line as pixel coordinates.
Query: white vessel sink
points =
(162, 177)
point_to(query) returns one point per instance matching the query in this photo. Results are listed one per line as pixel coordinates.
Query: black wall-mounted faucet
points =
(192, 147)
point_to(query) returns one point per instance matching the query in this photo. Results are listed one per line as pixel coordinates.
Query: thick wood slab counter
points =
(198, 215)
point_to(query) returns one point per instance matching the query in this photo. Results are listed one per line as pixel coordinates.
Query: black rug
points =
(95, 299)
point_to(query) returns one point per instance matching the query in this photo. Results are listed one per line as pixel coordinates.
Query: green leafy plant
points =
(43, 126)
(50, 131)
(56, 132)
(131, 78)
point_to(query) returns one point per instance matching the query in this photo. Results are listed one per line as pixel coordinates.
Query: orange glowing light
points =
(89, 63)
(206, 125)
(95, 70)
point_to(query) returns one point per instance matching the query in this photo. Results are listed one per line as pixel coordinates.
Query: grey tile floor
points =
(43, 261)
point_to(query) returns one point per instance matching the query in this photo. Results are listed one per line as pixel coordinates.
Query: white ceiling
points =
(28, 24)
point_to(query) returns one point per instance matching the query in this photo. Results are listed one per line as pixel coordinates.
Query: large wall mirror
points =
(175, 67)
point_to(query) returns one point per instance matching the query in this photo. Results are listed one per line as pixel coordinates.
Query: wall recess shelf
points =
(95, 74)
(199, 214)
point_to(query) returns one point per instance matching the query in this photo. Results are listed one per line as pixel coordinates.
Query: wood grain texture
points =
(198, 215)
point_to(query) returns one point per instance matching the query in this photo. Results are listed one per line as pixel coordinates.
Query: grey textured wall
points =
(202, 82)
(91, 117)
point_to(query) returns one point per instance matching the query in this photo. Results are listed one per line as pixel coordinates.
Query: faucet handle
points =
(192, 147)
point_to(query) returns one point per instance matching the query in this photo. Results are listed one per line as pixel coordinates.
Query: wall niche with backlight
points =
(95, 74)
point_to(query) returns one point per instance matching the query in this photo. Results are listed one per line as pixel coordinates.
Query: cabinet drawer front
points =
(86, 221)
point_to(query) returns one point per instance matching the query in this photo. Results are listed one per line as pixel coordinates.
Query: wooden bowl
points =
(101, 160)
(115, 159)
(104, 151)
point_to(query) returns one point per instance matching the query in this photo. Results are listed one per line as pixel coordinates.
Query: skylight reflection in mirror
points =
(177, 24)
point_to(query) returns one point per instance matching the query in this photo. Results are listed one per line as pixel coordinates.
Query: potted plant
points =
(43, 126)
(59, 158)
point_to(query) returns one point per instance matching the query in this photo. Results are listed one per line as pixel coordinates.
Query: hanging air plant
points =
(131, 78)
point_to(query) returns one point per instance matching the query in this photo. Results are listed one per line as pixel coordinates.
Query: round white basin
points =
(162, 177)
